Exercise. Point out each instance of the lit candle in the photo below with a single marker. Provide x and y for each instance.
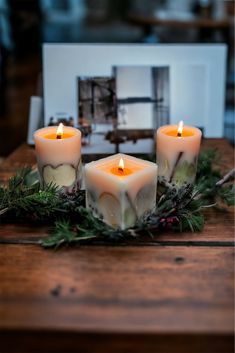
(120, 189)
(177, 153)
(58, 151)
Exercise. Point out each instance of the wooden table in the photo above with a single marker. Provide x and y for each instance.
(171, 294)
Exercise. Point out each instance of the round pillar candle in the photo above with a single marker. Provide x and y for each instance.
(59, 156)
(120, 189)
(178, 148)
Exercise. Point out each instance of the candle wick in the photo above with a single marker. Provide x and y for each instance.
(120, 169)
(179, 134)
(58, 136)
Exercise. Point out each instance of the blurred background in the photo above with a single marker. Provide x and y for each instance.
(26, 24)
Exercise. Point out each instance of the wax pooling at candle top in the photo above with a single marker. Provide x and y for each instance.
(121, 170)
(59, 134)
(123, 167)
(54, 136)
(181, 131)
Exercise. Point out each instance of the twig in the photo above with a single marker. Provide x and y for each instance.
(175, 165)
(4, 210)
(227, 177)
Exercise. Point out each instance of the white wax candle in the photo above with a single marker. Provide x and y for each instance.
(119, 196)
(59, 156)
(177, 154)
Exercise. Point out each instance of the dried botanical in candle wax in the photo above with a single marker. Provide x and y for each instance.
(120, 195)
(59, 156)
(64, 174)
(177, 154)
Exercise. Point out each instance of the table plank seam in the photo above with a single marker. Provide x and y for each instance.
(36, 241)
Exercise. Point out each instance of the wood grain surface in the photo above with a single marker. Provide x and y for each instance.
(171, 294)
(146, 289)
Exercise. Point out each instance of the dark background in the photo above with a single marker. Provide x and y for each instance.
(26, 24)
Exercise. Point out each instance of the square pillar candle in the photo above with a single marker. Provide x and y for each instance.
(178, 147)
(58, 151)
(120, 189)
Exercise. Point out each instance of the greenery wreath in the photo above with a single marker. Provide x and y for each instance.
(70, 223)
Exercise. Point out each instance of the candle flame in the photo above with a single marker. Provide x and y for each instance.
(121, 165)
(180, 128)
(59, 132)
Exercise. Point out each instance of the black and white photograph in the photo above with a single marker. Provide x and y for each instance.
(120, 112)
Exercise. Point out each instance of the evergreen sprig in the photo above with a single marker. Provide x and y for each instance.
(21, 198)
(65, 232)
(208, 182)
(178, 209)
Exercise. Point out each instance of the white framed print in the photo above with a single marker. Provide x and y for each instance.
(142, 86)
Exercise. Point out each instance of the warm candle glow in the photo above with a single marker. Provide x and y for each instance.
(121, 170)
(180, 128)
(121, 165)
(59, 132)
